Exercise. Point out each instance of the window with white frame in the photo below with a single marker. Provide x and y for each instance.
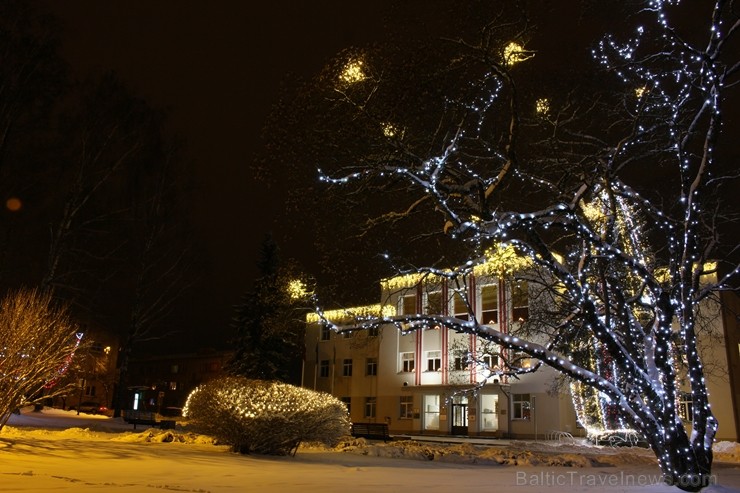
(324, 368)
(686, 406)
(434, 360)
(460, 363)
(325, 333)
(347, 367)
(521, 406)
(434, 303)
(519, 301)
(371, 367)
(348, 402)
(407, 362)
(489, 304)
(521, 360)
(459, 306)
(370, 403)
(490, 360)
(407, 406)
(408, 304)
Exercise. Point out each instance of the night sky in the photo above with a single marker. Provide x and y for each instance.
(217, 68)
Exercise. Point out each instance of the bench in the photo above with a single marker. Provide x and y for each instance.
(140, 418)
(374, 431)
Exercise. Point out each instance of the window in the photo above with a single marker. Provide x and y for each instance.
(489, 304)
(490, 360)
(408, 304)
(370, 407)
(324, 368)
(407, 406)
(434, 360)
(519, 302)
(347, 367)
(521, 360)
(373, 331)
(686, 406)
(347, 335)
(325, 333)
(348, 402)
(521, 406)
(460, 363)
(173, 385)
(431, 412)
(174, 369)
(459, 307)
(371, 367)
(434, 303)
(407, 362)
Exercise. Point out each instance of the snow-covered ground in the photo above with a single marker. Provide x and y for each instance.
(60, 451)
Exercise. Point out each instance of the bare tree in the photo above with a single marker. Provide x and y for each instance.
(38, 340)
(620, 264)
(159, 261)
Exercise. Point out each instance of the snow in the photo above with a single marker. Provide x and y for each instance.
(60, 451)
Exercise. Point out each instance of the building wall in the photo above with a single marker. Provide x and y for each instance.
(421, 384)
(420, 388)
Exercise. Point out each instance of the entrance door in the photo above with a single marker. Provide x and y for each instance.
(459, 419)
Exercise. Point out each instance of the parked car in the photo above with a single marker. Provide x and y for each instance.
(90, 407)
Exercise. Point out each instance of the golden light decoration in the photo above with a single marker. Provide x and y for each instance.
(515, 53)
(502, 261)
(353, 313)
(542, 106)
(390, 130)
(297, 289)
(640, 92)
(353, 72)
(404, 281)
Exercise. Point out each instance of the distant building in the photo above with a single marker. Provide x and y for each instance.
(159, 382)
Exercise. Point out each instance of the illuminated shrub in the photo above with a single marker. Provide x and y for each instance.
(256, 416)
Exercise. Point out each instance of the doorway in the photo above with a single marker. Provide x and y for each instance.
(459, 416)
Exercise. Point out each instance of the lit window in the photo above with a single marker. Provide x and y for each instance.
(407, 362)
(371, 366)
(370, 403)
(434, 360)
(173, 385)
(519, 302)
(407, 406)
(489, 361)
(489, 304)
(459, 306)
(522, 406)
(408, 304)
(521, 360)
(324, 368)
(686, 406)
(434, 303)
(347, 368)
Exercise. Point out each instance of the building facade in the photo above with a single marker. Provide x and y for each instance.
(433, 380)
(429, 381)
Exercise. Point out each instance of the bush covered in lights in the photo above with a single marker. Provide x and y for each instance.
(256, 416)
